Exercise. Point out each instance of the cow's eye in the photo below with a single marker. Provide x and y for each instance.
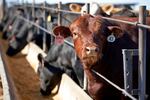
(75, 35)
(46, 81)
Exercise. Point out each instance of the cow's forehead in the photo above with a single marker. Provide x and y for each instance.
(86, 23)
(80, 22)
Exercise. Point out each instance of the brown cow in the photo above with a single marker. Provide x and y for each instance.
(90, 35)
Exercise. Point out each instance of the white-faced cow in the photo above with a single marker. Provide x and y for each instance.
(90, 35)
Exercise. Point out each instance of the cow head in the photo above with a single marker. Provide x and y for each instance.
(44, 75)
(49, 75)
(90, 36)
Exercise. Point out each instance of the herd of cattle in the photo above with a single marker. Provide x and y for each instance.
(92, 49)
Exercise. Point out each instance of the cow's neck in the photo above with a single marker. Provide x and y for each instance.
(95, 85)
(89, 73)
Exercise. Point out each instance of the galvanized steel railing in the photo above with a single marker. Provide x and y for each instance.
(117, 87)
(142, 48)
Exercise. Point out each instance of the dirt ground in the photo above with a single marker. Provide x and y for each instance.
(26, 81)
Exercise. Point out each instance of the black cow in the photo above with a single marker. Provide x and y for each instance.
(9, 12)
(14, 47)
(26, 34)
(17, 42)
(61, 58)
(12, 23)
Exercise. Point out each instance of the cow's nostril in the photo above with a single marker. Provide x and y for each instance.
(87, 48)
(96, 50)
(91, 50)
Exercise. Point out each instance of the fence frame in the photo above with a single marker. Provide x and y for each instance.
(128, 55)
(142, 43)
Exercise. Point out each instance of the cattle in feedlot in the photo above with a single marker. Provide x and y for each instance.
(61, 58)
(96, 52)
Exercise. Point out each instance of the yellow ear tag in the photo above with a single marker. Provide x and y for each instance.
(49, 18)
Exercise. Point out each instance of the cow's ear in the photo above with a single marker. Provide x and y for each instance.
(116, 31)
(40, 57)
(62, 30)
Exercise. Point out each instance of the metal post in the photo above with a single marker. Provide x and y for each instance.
(22, 2)
(2, 9)
(59, 13)
(142, 54)
(128, 70)
(87, 8)
(127, 65)
(85, 80)
(44, 34)
(33, 9)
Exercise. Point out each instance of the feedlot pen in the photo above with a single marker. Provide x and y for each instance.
(21, 69)
(26, 81)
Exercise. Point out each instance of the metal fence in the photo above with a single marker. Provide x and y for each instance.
(141, 51)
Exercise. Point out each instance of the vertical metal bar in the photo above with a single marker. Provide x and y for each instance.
(128, 69)
(59, 13)
(142, 54)
(22, 2)
(44, 33)
(33, 9)
(85, 81)
(1, 10)
(87, 8)
(124, 68)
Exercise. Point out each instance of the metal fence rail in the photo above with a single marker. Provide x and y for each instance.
(6, 79)
(6, 92)
(113, 84)
(138, 24)
(127, 22)
(54, 9)
(45, 30)
(111, 19)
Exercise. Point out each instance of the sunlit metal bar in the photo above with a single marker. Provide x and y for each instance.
(55, 9)
(114, 85)
(33, 8)
(142, 54)
(59, 14)
(4, 79)
(127, 22)
(44, 34)
(112, 19)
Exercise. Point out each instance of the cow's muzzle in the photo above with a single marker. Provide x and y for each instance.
(91, 51)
